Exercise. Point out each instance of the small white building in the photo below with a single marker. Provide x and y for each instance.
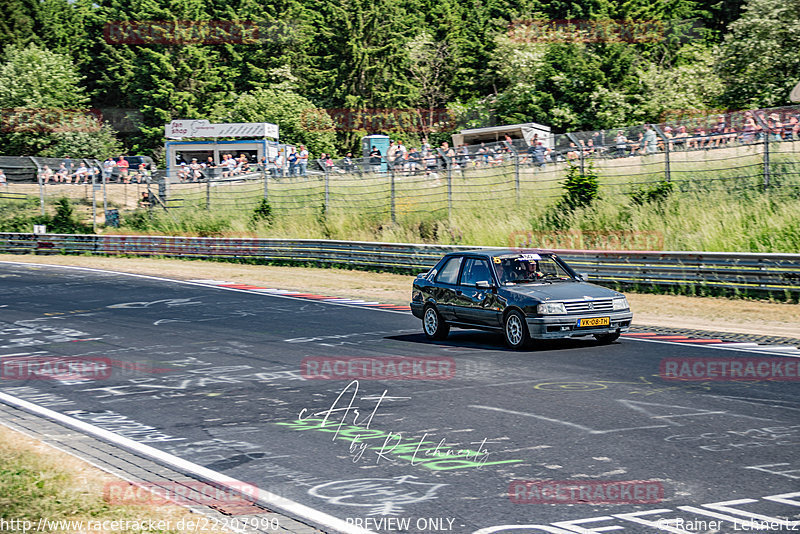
(518, 132)
(263, 142)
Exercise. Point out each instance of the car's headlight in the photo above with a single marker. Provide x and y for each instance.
(551, 308)
(619, 303)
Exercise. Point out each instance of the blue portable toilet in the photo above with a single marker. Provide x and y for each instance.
(381, 142)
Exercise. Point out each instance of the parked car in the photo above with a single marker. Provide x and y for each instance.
(524, 295)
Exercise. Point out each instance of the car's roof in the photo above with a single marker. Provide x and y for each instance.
(501, 252)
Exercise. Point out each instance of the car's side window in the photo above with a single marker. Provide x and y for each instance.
(475, 270)
(449, 273)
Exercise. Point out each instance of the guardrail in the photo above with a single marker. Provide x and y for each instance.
(724, 272)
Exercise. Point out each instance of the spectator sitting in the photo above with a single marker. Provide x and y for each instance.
(791, 128)
(718, 136)
(82, 172)
(680, 137)
(749, 129)
(637, 145)
(775, 127)
(183, 172)
(46, 174)
(414, 160)
(61, 174)
(572, 153)
(147, 200)
(142, 174)
(244, 163)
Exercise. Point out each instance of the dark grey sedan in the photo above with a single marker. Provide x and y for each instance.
(524, 294)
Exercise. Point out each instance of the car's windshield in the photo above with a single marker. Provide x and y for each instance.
(527, 268)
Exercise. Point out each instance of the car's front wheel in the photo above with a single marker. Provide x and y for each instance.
(605, 339)
(433, 324)
(515, 330)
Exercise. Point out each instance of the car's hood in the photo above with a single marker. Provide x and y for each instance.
(562, 291)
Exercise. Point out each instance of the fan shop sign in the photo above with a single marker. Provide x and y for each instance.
(203, 128)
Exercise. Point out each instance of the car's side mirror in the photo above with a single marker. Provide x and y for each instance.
(584, 276)
(483, 284)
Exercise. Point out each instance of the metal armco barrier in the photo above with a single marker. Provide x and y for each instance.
(745, 272)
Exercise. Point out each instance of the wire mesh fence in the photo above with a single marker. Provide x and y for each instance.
(733, 151)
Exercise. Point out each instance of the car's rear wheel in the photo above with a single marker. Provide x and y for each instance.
(605, 339)
(515, 330)
(433, 325)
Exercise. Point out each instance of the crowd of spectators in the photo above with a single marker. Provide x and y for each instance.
(81, 173)
(722, 133)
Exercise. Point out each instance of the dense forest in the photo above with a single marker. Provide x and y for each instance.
(582, 64)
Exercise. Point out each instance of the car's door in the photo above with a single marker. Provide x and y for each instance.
(445, 286)
(473, 304)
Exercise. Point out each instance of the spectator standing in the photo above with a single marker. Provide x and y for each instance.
(279, 164)
(375, 160)
(425, 148)
(649, 139)
(292, 159)
(3, 179)
(540, 153)
(123, 166)
(302, 160)
(68, 164)
(620, 143)
(347, 162)
(108, 168)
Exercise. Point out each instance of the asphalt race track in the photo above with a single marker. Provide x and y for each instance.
(214, 376)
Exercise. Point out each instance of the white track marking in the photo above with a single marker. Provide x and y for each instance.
(277, 294)
(269, 499)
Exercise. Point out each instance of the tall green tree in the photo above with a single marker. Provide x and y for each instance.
(18, 20)
(759, 61)
(299, 120)
(45, 109)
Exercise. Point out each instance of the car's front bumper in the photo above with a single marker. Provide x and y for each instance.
(563, 326)
(416, 308)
